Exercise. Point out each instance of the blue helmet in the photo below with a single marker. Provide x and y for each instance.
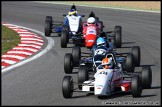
(101, 42)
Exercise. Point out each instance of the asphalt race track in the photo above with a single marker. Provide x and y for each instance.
(40, 82)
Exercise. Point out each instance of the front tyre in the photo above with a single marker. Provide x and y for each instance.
(118, 28)
(67, 87)
(118, 36)
(118, 39)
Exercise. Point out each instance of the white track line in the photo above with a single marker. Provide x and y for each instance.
(32, 42)
(32, 39)
(20, 32)
(2, 67)
(24, 48)
(20, 52)
(24, 35)
(13, 27)
(8, 61)
(35, 46)
(14, 56)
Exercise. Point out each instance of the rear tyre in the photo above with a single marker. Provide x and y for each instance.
(136, 86)
(67, 30)
(136, 55)
(82, 75)
(67, 87)
(129, 66)
(64, 38)
(146, 77)
(68, 63)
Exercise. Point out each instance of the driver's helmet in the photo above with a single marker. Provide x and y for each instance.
(91, 20)
(73, 7)
(101, 42)
(72, 12)
(103, 34)
(107, 63)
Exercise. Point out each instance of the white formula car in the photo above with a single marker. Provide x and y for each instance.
(109, 81)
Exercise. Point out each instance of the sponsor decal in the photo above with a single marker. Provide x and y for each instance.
(90, 40)
(99, 86)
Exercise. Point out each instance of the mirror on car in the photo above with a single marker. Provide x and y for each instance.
(64, 15)
(83, 15)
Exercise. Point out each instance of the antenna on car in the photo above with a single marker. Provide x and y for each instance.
(73, 7)
(92, 14)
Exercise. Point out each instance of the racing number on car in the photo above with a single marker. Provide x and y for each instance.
(103, 72)
(91, 30)
(73, 18)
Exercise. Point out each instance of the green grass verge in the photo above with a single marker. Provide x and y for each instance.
(9, 39)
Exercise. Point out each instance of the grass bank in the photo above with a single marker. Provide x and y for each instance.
(9, 39)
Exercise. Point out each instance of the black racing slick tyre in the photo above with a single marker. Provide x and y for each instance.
(97, 19)
(102, 26)
(146, 76)
(64, 39)
(118, 28)
(68, 63)
(118, 36)
(49, 18)
(76, 52)
(48, 28)
(136, 55)
(82, 75)
(67, 87)
(136, 86)
(118, 39)
(129, 66)
(67, 30)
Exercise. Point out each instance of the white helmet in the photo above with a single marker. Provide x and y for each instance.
(91, 20)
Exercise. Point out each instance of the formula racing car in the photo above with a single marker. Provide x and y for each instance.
(108, 81)
(128, 61)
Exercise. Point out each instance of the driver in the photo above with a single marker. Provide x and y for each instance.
(107, 63)
(101, 42)
(91, 21)
(72, 12)
(102, 45)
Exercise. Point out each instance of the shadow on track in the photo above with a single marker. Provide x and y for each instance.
(146, 65)
(128, 42)
(155, 87)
